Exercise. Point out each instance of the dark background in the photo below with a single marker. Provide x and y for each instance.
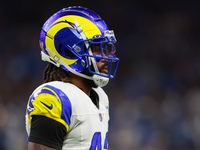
(155, 97)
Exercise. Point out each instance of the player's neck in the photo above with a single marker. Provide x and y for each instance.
(80, 83)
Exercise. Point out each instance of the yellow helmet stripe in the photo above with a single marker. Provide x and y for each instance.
(50, 42)
(89, 28)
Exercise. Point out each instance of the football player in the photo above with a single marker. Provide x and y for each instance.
(70, 111)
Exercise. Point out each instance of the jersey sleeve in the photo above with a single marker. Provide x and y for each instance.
(48, 132)
(50, 102)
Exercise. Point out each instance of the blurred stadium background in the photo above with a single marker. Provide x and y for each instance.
(155, 97)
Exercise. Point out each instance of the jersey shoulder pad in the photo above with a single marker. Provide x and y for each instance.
(51, 102)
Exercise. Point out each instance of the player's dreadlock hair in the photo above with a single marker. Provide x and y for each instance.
(53, 73)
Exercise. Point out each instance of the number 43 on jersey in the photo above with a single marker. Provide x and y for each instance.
(96, 141)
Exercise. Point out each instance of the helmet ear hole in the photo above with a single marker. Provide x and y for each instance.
(59, 48)
(65, 52)
(68, 53)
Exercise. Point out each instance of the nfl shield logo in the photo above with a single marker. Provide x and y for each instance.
(100, 117)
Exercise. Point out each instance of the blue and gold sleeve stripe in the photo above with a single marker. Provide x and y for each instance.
(50, 102)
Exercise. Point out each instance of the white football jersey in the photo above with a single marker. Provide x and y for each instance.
(87, 126)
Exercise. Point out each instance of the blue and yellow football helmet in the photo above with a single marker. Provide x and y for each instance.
(67, 37)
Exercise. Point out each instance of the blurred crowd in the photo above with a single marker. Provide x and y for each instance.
(155, 97)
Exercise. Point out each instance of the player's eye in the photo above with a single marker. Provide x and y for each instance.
(96, 49)
(109, 50)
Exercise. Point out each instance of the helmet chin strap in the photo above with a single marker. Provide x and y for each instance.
(100, 80)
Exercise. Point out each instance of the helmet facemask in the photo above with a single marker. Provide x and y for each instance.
(102, 53)
(101, 49)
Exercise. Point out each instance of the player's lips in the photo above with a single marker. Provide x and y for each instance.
(104, 69)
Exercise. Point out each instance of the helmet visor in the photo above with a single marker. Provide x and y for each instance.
(105, 55)
(104, 50)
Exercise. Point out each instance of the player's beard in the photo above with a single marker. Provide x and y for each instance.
(91, 82)
(104, 66)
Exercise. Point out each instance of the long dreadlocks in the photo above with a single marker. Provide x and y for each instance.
(53, 73)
